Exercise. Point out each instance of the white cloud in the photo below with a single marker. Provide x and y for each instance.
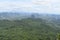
(9, 6)
(43, 6)
(47, 6)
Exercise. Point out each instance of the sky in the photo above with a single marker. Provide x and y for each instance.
(37, 6)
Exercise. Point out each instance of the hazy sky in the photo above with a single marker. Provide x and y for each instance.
(40, 6)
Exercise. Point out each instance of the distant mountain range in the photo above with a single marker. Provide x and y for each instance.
(53, 18)
(17, 15)
(13, 16)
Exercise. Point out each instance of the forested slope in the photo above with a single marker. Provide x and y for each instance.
(27, 29)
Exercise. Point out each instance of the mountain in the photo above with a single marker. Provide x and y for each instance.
(20, 15)
(53, 19)
(13, 15)
(50, 18)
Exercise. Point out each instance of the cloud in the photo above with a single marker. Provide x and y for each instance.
(47, 6)
(11, 6)
(40, 6)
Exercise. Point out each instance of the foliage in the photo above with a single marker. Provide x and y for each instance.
(27, 29)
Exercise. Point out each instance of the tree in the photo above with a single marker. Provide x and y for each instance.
(58, 36)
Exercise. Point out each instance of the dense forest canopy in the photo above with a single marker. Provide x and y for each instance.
(27, 29)
(34, 26)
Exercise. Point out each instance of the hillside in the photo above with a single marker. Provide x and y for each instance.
(27, 29)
